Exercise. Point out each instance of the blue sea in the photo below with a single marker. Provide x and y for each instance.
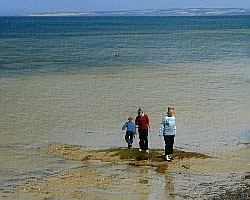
(76, 80)
(58, 44)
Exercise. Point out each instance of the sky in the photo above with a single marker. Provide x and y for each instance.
(22, 7)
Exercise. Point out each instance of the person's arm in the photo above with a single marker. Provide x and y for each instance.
(134, 131)
(162, 127)
(149, 125)
(123, 127)
(136, 126)
(175, 126)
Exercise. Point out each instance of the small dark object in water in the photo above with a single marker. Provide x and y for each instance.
(184, 166)
(117, 55)
(247, 177)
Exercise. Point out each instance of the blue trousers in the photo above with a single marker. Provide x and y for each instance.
(129, 138)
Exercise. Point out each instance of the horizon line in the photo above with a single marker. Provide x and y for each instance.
(144, 12)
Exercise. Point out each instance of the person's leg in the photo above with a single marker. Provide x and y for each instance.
(143, 139)
(141, 142)
(165, 140)
(167, 145)
(146, 139)
(127, 139)
(131, 135)
(130, 139)
(169, 141)
(171, 147)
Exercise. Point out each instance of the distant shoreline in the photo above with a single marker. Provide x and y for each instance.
(151, 12)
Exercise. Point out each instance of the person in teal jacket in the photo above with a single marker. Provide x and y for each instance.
(168, 130)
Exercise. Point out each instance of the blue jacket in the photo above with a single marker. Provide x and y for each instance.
(168, 126)
(130, 126)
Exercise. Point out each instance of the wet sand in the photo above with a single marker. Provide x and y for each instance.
(109, 174)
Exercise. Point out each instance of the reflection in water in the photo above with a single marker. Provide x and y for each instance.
(162, 186)
(173, 186)
(170, 187)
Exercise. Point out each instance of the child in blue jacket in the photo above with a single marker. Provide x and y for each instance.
(130, 133)
(168, 130)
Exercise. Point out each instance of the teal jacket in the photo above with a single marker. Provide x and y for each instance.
(168, 126)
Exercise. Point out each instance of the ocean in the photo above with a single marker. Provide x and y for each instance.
(76, 80)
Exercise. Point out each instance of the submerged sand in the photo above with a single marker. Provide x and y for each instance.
(222, 162)
(122, 173)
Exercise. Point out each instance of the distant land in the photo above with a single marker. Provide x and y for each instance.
(157, 12)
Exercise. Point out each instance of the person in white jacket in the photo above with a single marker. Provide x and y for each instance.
(168, 130)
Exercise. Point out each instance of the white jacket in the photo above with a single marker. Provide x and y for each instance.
(168, 126)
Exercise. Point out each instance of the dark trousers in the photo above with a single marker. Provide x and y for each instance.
(143, 136)
(169, 144)
(129, 138)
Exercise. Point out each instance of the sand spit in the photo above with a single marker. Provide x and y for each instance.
(122, 173)
(155, 159)
(221, 162)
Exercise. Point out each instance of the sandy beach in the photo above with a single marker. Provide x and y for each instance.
(107, 174)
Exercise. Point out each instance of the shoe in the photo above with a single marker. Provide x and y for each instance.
(129, 146)
(140, 150)
(168, 159)
(147, 151)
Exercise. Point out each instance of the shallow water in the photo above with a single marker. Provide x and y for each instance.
(89, 108)
(194, 186)
(61, 83)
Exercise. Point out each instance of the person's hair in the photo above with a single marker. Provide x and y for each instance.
(130, 119)
(170, 108)
(139, 110)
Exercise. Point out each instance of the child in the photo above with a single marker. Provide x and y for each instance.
(130, 133)
(168, 129)
(142, 125)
